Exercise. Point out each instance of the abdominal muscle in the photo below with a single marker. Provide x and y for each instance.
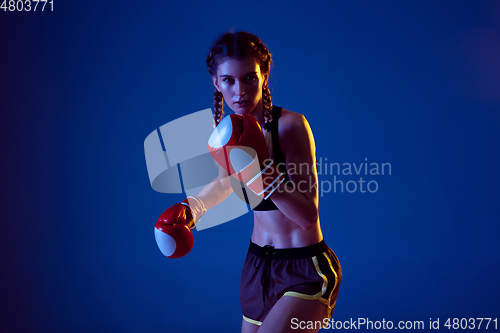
(275, 229)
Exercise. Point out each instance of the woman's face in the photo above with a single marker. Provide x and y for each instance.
(240, 82)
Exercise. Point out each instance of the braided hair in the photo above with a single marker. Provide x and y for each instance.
(240, 45)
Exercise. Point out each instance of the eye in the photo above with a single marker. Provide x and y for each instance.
(251, 77)
(228, 80)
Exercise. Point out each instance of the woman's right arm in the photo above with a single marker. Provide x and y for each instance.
(218, 189)
(172, 222)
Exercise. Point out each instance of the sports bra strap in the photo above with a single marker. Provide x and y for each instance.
(278, 155)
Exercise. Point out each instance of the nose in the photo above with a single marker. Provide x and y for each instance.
(239, 89)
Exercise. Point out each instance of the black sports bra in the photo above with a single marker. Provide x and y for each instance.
(241, 189)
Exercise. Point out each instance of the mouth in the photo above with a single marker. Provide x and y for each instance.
(241, 103)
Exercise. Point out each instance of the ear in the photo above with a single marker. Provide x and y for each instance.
(216, 83)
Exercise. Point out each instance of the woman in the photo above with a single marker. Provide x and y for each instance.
(275, 288)
(290, 276)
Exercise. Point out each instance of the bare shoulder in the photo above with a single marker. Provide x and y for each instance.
(292, 123)
(296, 138)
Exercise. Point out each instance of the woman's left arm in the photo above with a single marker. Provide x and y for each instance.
(297, 144)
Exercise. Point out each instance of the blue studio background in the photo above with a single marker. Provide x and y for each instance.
(413, 84)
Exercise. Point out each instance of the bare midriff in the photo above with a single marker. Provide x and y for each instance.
(275, 229)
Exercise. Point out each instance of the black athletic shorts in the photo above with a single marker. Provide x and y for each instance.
(311, 273)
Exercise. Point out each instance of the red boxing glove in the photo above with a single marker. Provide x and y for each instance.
(173, 230)
(238, 145)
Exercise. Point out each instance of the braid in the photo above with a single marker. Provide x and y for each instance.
(268, 116)
(267, 104)
(218, 105)
(265, 65)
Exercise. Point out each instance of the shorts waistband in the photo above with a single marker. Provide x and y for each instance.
(288, 254)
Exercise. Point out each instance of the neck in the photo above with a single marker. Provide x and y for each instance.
(258, 114)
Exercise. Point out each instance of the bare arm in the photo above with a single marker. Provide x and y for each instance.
(217, 191)
(297, 143)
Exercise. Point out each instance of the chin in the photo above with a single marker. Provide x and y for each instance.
(243, 110)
